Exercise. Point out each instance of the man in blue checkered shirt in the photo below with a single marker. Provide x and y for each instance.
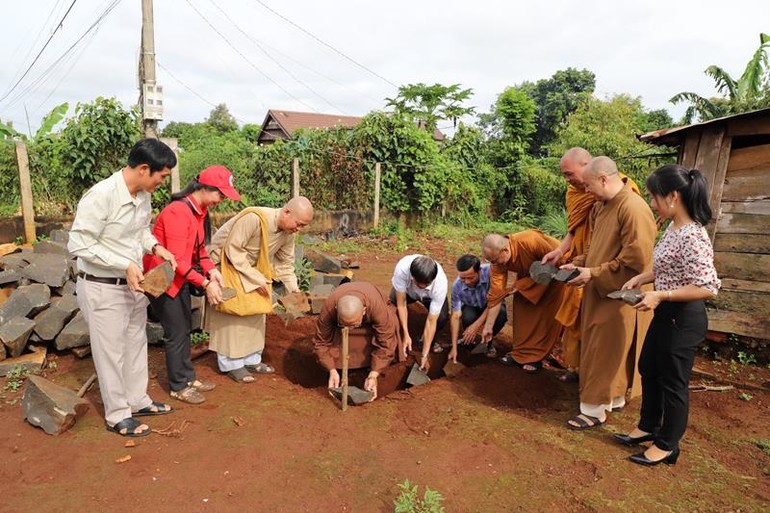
(469, 305)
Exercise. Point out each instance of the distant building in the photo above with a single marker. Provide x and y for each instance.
(281, 124)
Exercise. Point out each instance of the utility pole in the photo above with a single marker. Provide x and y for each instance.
(150, 94)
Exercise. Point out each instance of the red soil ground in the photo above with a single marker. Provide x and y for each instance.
(490, 439)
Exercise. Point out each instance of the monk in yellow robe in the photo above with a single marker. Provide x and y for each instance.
(612, 332)
(579, 203)
(535, 330)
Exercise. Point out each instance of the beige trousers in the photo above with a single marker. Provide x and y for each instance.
(117, 325)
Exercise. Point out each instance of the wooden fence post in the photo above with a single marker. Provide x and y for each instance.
(25, 186)
(295, 178)
(345, 357)
(172, 143)
(377, 175)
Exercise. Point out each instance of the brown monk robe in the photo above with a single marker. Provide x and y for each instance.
(535, 330)
(579, 203)
(612, 332)
(373, 338)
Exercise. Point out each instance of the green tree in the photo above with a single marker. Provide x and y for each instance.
(221, 119)
(556, 98)
(429, 104)
(509, 126)
(749, 92)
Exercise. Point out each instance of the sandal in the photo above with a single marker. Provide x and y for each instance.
(241, 375)
(154, 408)
(529, 368)
(128, 427)
(438, 348)
(584, 421)
(491, 352)
(261, 368)
(202, 386)
(188, 395)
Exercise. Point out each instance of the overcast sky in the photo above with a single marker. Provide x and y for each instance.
(346, 56)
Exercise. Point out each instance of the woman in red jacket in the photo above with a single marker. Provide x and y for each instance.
(182, 228)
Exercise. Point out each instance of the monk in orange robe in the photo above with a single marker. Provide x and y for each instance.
(535, 330)
(579, 204)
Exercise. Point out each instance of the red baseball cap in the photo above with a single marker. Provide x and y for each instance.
(221, 178)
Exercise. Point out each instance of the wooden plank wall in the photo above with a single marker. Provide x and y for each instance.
(740, 191)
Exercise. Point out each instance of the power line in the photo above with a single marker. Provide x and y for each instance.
(41, 78)
(58, 26)
(268, 77)
(287, 20)
(276, 61)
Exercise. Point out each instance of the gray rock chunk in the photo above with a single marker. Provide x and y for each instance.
(417, 376)
(32, 362)
(74, 334)
(15, 333)
(49, 246)
(155, 333)
(356, 396)
(39, 296)
(59, 236)
(335, 279)
(323, 262)
(18, 305)
(50, 406)
(49, 323)
(9, 276)
(49, 268)
(13, 261)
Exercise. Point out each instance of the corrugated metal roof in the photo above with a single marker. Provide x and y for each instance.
(673, 136)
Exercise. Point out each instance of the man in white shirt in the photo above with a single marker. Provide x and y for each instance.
(109, 236)
(420, 278)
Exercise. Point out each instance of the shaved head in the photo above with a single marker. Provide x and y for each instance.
(295, 214)
(495, 247)
(602, 166)
(349, 309)
(573, 164)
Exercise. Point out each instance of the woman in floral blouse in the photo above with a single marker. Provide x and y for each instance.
(684, 276)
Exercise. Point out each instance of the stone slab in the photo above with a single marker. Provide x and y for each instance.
(39, 295)
(295, 302)
(32, 361)
(74, 334)
(49, 268)
(59, 236)
(631, 296)
(50, 322)
(155, 333)
(67, 290)
(15, 333)
(322, 290)
(18, 305)
(317, 304)
(50, 246)
(50, 406)
(228, 293)
(158, 279)
(479, 349)
(356, 396)
(10, 275)
(452, 369)
(81, 352)
(335, 279)
(542, 273)
(416, 376)
(566, 274)
(323, 262)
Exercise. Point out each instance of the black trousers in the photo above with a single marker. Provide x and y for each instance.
(471, 313)
(667, 358)
(443, 316)
(175, 315)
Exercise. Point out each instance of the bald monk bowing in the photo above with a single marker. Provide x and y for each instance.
(579, 203)
(612, 332)
(535, 331)
(373, 332)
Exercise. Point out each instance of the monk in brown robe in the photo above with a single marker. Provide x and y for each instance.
(374, 332)
(535, 331)
(579, 203)
(612, 332)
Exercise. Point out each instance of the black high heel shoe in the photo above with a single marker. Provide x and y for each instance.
(631, 441)
(641, 459)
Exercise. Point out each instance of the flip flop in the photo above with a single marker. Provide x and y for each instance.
(130, 424)
(510, 362)
(260, 368)
(584, 421)
(241, 375)
(155, 408)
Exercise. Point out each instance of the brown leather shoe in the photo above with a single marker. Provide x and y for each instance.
(188, 395)
(202, 386)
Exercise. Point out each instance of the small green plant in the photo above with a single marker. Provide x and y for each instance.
(18, 240)
(52, 365)
(762, 443)
(15, 377)
(198, 337)
(408, 501)
(303, 268)
(746, 358)
(745, 397)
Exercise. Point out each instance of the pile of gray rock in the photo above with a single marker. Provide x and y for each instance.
(328, 273)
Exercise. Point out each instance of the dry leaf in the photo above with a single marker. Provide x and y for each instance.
(130, 443)
(239, 421)
(123, 459)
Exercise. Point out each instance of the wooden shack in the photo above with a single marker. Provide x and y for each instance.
(734, 154)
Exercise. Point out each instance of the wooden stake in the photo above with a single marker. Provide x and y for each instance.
(377, 175)
(25, 184)
(295, 178)
(87, 385)
(345, 355)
